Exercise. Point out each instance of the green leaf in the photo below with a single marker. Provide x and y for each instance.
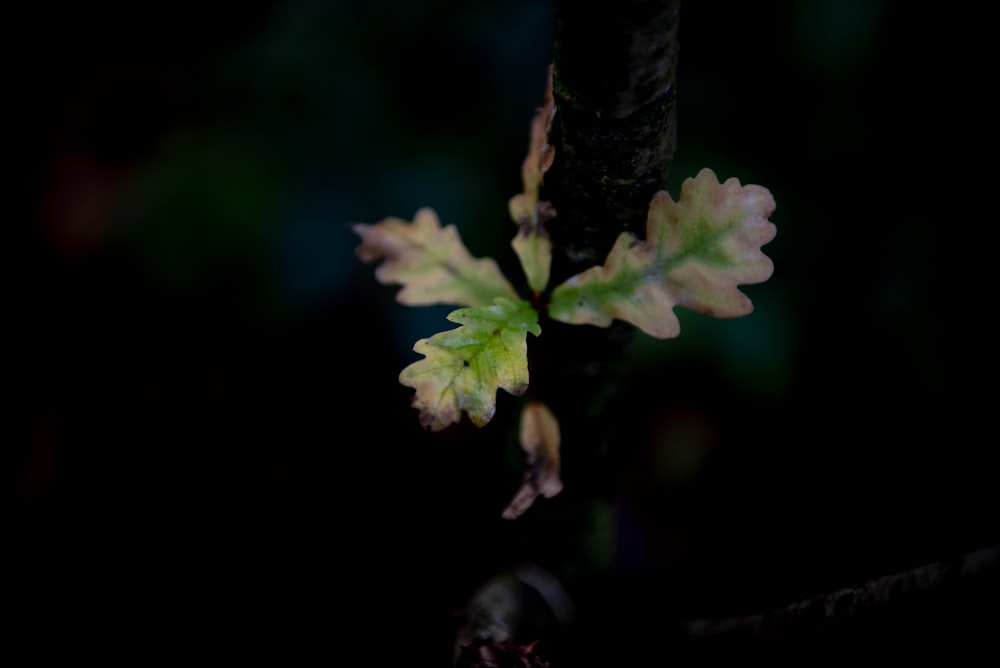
(463, 368)
(696, 252)
(430, 262)
(534, 251)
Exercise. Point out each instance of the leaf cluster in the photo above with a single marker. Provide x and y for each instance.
(697, 251)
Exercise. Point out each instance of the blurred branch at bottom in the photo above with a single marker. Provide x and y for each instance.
(945, 598)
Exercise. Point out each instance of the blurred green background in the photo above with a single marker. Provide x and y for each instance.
(208, 419)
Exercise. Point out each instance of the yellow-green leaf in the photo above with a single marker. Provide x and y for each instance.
(463, 368)
(430, 262)
(696, 252)
(534, 251)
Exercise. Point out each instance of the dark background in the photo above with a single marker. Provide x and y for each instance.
(209, 442)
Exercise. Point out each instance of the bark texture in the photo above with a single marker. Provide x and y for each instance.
(614, 75)
(614, 71)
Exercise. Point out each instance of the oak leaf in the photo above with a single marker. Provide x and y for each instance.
(538, 434)
(430, 262)
(523, 207)
(532, 244)
(696, 252)
(463, 368)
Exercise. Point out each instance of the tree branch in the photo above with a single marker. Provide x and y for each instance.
(936, 598)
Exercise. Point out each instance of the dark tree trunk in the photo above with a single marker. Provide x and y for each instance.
(614, 87)
(613, 133)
